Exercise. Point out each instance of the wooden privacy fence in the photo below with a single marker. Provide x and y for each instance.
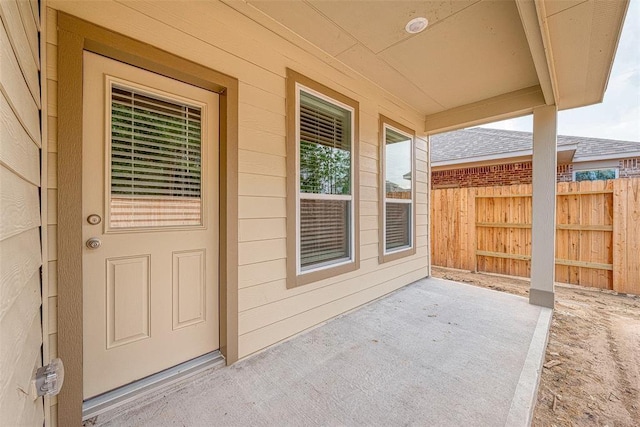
(489, 229)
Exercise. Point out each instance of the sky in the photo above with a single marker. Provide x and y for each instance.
(618, 116)
(398, 163)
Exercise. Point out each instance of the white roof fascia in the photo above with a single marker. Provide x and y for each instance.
(499, 161)
(497, 156)
(533, 29)
(596, 164)
(548, 52)
(607, 157)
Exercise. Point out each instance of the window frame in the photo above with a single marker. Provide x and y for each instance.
(394, 254)
(614, 168)
(296, 275)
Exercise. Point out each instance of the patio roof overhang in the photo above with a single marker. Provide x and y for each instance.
(477, 61)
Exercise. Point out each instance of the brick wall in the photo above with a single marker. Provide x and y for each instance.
(565, 173)
(513, 173)
(630, 168)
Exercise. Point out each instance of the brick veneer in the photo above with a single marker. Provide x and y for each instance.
(630, 168)
(513, 173)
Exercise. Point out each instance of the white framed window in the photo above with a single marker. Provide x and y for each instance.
(322, 153)
(596, 174)
(397, 190)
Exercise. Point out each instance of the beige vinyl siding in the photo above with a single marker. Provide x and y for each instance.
(20, 250)
(51, 76)
(218, 37)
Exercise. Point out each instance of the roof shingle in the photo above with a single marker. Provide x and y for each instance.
(480, 142)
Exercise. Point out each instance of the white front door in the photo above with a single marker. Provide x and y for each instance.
(150, 223)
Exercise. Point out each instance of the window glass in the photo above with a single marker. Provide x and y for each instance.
(155, 161)
(595, 175)
(325, 147)
(324, 182)
(397, 165)
(398, 225)
(398, 204)
(324, 231)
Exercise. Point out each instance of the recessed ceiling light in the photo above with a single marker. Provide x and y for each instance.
(416, 25)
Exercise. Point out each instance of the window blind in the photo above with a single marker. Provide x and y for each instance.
(155, 146)
(155, 161)
(324, 231)
(325, 182)
(324, 126)
(398, 225)
(325, 147)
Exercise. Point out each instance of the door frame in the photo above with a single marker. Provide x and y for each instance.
(75, 36)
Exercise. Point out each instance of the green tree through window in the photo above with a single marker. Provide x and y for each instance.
(595, 175)
(324, 170)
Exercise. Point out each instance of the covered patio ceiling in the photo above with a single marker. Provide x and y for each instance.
(477, 61)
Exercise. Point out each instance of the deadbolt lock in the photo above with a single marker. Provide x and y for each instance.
(94, 219)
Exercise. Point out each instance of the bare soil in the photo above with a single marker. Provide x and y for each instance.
(592, 364)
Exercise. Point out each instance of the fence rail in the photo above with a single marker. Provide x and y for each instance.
(489, 229)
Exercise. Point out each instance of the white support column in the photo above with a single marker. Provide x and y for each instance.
(543, 230)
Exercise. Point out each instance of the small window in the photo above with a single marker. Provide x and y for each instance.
(323, 154)
(595, 174)
(155, 156)
(397, 210)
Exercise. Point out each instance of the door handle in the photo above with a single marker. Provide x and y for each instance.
(94, 243)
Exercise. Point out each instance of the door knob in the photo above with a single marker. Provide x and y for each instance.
(94, 243)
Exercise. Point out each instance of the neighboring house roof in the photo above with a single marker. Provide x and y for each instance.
(481, 145)
(598, 148)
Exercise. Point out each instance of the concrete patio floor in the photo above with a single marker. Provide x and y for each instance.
(435, 353)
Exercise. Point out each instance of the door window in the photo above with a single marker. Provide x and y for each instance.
(155, 160)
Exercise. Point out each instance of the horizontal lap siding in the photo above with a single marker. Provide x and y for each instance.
(20, 250)
(216, 36)
(52, 193)
(257, 340)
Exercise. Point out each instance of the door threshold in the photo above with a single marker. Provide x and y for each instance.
(137, 389)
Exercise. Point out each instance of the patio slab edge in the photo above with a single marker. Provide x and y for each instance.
(524, 398)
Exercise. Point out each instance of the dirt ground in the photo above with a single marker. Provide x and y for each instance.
(592, 366)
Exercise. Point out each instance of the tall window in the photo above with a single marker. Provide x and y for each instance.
(325, 184)
(397, 190)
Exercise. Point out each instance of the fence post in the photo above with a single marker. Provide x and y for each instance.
(619, 225)
(471, 226)
(626, 235)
